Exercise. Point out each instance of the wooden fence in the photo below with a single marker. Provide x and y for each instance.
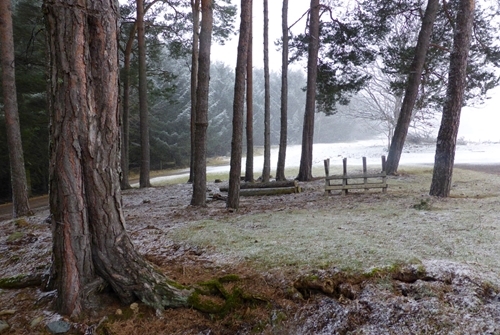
(346, 182)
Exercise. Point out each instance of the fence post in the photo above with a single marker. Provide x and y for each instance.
(365, 180)
(344, 179)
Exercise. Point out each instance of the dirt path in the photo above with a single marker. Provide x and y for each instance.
(36, 203)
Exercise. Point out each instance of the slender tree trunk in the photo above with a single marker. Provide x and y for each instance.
(143, 98)
(90, 244)
(125, 183)
(267, 99)
(305, 169)
(18, 179)
(201, 118)
(195, 8)
(233, 198)
(414, 78)
(457, 76)
(249, 128)
(280, 170)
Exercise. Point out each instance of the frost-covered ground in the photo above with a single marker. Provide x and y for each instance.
(298, 251)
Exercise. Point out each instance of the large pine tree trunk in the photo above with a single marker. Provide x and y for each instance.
(201, 119)
(195, 9)
(18, 179)
(414, 78)
(249, 121)
(233, 197)
(447, 136)
(280, 170)
(90, 244)
(267, 100)
(305, 169)
(143, 99)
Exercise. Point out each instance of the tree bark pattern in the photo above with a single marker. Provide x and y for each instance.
(201, 119)
(280, 170)
(249, 122)
(195, 9)
(412, 86)
(448, 131)
(88, 227)
(144, 180)
(20, 201)
(267, 99)
(305, 168)
(233, 198)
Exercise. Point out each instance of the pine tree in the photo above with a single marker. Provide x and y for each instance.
(447, 136)
(201, 118)
(233, 198)
(19, 181)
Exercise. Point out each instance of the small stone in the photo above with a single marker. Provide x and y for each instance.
(118, 312)
(36, 321)
(4, 326)
(58, 327)
(134, 307)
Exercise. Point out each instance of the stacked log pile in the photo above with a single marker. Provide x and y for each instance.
(267, 188)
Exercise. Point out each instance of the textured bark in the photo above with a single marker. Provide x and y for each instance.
(280, 170)
(414, 79)
(201, 118)
(447, 136)
(90, 244)
(20, 202)
(143, 99)
(305, 169)
(125, 184)
(249, 123)
(195, 51)
(267, 100)
(233, 198)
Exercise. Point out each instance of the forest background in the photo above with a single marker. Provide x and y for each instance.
(169, 97)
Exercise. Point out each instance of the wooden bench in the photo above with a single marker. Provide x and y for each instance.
(346, 182)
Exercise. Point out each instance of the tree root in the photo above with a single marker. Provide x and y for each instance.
(212, 297)
(348, 285)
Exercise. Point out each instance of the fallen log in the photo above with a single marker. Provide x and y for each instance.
(269, 191)
(22, 281)
(270, 184)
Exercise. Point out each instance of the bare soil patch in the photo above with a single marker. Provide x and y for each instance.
(367, 263)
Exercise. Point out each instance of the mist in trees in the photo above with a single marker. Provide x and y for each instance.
(412, 86)
(169, 40)
(396, 25)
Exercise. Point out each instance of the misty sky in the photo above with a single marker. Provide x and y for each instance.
(477, 124)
